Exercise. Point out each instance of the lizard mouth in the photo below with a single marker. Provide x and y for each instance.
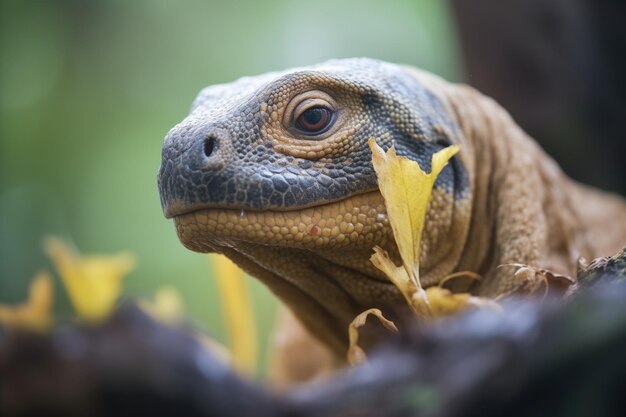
(358, 220)
(175, 208)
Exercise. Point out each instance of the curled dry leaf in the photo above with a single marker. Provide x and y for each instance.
(532, 279)
(356, 354)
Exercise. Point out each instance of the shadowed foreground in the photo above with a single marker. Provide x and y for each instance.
(537, 358)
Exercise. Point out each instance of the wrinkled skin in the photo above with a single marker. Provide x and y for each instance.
(302, 212)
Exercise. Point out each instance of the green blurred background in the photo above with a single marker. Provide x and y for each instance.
(88, 90)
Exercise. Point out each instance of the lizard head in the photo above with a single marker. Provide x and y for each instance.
(275, 172)
(283, 159)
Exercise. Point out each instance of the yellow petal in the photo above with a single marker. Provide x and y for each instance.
(36, 313)
(396, 274)
(237, 310)
(356, 354)
(406, 190)
(414, 295)
(93, 283)
(445, 303)
(167, 306)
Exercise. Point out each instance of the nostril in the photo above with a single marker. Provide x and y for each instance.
(209, 145)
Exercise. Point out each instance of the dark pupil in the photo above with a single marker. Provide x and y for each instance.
(313, 116)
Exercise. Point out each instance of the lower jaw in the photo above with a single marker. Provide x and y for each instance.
(359, 221)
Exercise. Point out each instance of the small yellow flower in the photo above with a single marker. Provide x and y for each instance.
(167, 306)
(237, 310)
(406, 190)
(36, 313)
(93, 283)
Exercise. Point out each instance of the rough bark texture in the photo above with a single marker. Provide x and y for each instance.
(539, 357)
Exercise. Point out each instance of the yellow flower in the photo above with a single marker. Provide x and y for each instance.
(36, 313)
(167, 306)
(237, 310)
(93, 283)
(406, 190)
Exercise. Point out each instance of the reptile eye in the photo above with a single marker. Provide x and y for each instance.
(314, 120)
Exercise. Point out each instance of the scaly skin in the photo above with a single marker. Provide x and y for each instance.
(303, 212)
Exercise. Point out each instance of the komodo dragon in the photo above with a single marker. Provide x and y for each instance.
(275, 172)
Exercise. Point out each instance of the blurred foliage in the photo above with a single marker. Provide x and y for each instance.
(88, 89)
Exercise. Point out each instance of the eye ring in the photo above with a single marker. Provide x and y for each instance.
(314, 120)
(295, 123)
